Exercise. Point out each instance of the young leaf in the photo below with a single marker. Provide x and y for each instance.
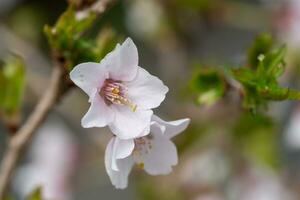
(208, 85)
(245, 76)
(276, 65)
(262, 44)
(67, 41)
(12, 81)
(260, 85)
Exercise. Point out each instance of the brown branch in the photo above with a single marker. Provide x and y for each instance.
(18, 142)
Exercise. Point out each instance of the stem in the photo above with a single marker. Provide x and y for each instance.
(293, 94)
(18, 142)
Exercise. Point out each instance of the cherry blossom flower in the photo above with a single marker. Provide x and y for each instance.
(153, 152)
(121, 93)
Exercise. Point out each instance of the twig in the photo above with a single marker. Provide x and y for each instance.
(18, 142)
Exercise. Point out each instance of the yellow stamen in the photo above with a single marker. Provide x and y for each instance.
(141, 165)
(116, 91)
(134, 108)
(126, 102)
(113, 92)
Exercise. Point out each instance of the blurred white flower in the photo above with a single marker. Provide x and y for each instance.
(52, 159)
(155, 152)
(213, 162)
(258, 184)
(121, 93)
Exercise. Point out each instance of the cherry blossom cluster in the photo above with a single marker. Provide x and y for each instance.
(122, 96)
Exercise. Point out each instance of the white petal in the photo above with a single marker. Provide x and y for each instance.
(145, 132)
(129, 124)
(169, 129)
(89, 76)
(124, 148)
(121, 149)
(122, 62)
(161, 157)
(146, 91)
(118, 178)
(98, 115)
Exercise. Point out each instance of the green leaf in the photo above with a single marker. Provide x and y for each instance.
(72, 24)
(271, 65)
(260, 82)
(65, 35)
(12, 84)
(276, 62)
(261, 45)
(244, 75)
(67, 40)
(258, 78)
(36, 194)
(208, 85)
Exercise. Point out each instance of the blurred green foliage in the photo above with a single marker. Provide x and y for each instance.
(12, 84)
(199, 5)
(8, 197)
(254, 136)
(260, 83)
(192, 135)
(208, 85)
(36, 194)
(67, 40)
(148, 190)
(259, 78)
(28, 21)
(262, 45)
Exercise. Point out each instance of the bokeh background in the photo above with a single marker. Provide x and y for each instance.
(226, 152)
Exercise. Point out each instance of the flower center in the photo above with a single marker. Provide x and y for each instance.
(114, 92)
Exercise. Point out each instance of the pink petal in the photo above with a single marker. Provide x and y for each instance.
(88, 76)
(161, 157)
(146, 91)
(169, 129)
(122, 62)
(129, 124)
(98, 115)
(118, 178)
(121, 149)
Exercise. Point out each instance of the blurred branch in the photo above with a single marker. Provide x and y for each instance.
(57, 87)
(19, 141)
